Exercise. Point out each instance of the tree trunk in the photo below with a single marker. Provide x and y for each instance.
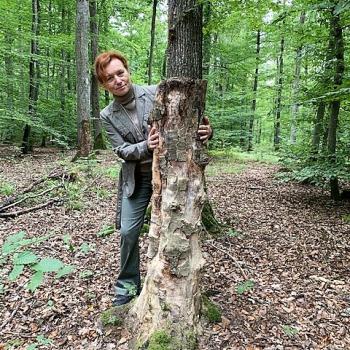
(296, 88)
(170, 300)
(83, 85)
(206, 39)
(336, 34)
(95, 104)
(277, 132)
(255, 89)
(151, 47)
(33, 77)
(316, 137)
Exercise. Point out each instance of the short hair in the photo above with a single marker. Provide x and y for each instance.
(103, 60)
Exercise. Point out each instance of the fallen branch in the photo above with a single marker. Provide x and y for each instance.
(10, 318)
(29, 197)
(27, 210)
(233, 258)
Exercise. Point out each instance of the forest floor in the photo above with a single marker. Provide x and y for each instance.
(280, 274)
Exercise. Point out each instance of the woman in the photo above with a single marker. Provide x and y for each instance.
(126, 122)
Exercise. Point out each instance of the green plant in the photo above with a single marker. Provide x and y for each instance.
(67, 242)
(13, 249)
(346, 218)
(86, 274)
(105, 231)
(86, 248)
(233, 233)
(112, 172)
(6, 188)
(109, 318)
(160, 340)
(210, 311)
(290, 331)
(245, 286)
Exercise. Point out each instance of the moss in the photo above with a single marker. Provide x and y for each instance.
(109, 318)
(210, 311)
(160, 340)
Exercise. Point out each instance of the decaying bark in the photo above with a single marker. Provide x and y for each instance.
(170, 299)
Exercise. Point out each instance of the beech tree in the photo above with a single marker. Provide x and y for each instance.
(83, 85)
(170, 300)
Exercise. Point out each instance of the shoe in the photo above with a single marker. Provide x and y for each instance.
(122, 299)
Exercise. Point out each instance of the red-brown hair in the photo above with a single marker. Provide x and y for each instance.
(103, 60)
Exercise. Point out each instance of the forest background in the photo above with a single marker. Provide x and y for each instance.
(277, 71)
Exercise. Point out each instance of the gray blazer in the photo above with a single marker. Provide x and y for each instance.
(126, 142)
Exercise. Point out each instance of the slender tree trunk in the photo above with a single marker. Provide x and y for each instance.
(296, 88)
(277, 133)
(336, 34)
(83, 84)
(33, 77)
(318, 127)
(255, 89)
(170, 301)
(95, 104)
(151, 47)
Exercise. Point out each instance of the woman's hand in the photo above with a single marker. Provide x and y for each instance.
(153, 139)
(204, 130)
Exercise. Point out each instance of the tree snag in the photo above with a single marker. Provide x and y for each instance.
(170, 300)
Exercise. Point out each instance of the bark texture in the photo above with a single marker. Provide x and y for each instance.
(34, 75)
(83, 84)
(185, 39)
(170, 300)
(336, 35)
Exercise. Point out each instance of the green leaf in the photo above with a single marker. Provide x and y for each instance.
(15, 273)
(48, 265)
(2, 288)
(35, 281)
(244, 287)
(105, 231)
(290, 331)
(43, 341)
(67, 269)
(86, 274)
(25, 258)
(85, 248)
(13, 242)
(32, 347)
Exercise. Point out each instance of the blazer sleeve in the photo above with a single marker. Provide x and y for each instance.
(124, 149)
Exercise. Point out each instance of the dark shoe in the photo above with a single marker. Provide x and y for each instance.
(122, 299)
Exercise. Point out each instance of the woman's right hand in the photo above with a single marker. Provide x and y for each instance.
(153, 139)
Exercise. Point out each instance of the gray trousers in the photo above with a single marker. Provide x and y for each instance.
(132, 218)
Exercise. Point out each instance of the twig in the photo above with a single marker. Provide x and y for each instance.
(27, 210)
(233, 258)
(10, 318)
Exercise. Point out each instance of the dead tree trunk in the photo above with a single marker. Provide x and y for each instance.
(170, 301)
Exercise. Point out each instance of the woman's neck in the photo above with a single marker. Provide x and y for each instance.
(127, 98)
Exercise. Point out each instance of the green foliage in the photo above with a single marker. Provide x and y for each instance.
(106, 231)
(160, 340)
(40, 340)
(112, 172)
(245, 286)
(346, 218)
(233, 233)
(109, 318)
(87, 274)
(85, 248)
(6, 188)
(210, 311)
(21, 259)
(290, 331)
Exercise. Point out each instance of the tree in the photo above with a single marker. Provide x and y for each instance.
(170, 301)
(83, 85)
(34, 75)
(151, 47)
(336, 35)
(95, 106)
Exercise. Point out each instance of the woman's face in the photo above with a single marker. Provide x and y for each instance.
(117, 78)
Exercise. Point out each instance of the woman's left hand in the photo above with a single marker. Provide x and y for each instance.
(204, 130)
